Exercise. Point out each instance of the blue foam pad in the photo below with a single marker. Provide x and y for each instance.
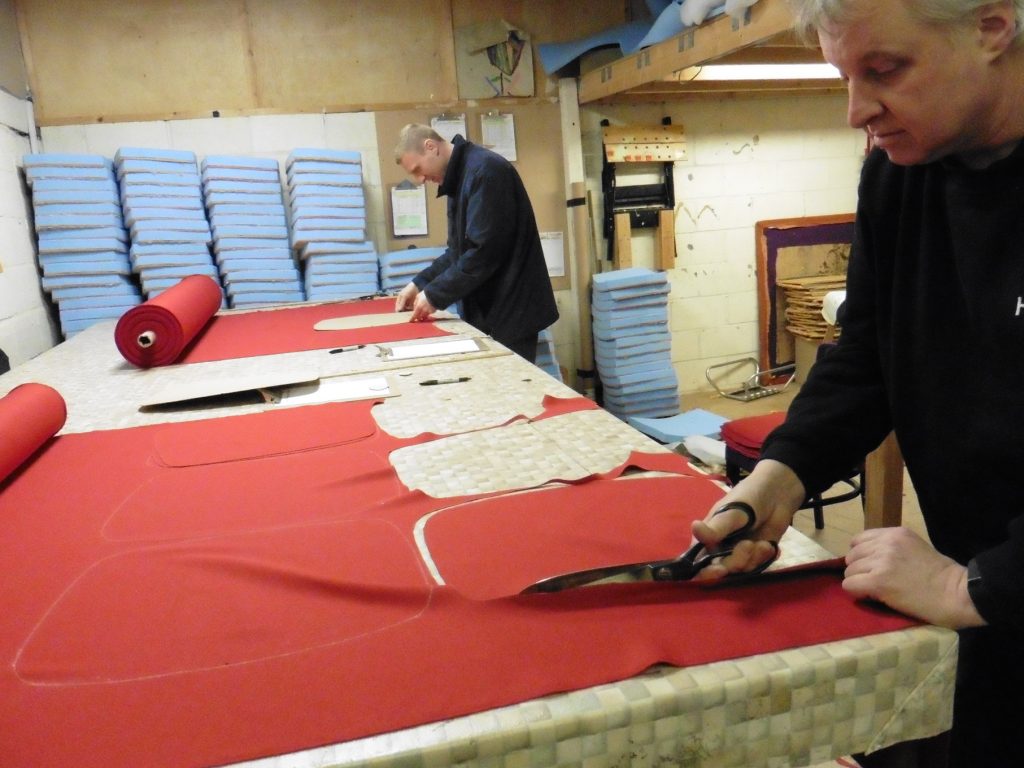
(148, 153)
(137, 166)
(271, 219)
(35, 174)
(628, 278)
(72, 222)
(82, 245)
(44, 197)
(64, 159)
(82, 281)
(255, 254)
(325, 179)
(235, 161)
(86, 302)
(77, 209)
(232, 186)
(245, 243)
(306, 237)
(133, 180)
(327, 225)
(322, 155)
(267, 177)
(675, 428)
(303, 198)
(214, 199)
(137, 202)
(221, 231)
(97, 267)
(131, 193)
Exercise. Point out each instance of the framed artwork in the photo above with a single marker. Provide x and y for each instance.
(785, 248)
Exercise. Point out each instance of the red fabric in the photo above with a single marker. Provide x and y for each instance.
(746, 435)
(204, 614)
(170, 321)
(30, 415)
(290, 329)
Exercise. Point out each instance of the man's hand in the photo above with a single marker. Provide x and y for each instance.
(406, 297)
(897, 567)
(774, 492)
(422, 309)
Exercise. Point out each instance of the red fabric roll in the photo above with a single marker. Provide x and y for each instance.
(157, 332)
(29, 416)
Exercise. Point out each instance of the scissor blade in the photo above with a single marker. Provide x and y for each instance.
(614, 574)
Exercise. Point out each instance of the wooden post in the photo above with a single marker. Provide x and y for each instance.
(883, 479)
(623, 242)
(584, 273)
(666, 239)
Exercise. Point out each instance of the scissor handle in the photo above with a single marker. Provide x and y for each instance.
(697, 557)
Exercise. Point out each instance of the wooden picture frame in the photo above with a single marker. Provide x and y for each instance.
(812, 239)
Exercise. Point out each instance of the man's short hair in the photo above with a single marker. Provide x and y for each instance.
(812, 14)
(412, 137)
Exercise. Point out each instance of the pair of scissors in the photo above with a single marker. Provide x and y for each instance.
(681, 568)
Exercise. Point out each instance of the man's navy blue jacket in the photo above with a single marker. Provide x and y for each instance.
(494, 263)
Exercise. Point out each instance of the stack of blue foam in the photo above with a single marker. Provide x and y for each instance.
(397, 268)
(83, 245)
(250, 230)
(163, 207)
(546, 359)
(632, 344)
(328, 224)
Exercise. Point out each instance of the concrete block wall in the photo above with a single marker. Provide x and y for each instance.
(26, 327)
(748, 159)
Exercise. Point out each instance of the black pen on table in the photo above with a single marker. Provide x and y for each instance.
(347, 349)
(432, 382)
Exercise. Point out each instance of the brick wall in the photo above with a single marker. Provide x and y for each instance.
(749, 159)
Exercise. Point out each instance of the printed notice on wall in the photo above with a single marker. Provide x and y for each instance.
(448, 126)
(409, 209)
(554, 255)
(499, 134)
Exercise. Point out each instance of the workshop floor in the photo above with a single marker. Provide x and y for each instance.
(842, 520)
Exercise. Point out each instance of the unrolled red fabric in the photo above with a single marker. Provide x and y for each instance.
(199, 608)
(157, 331)
(30, 415)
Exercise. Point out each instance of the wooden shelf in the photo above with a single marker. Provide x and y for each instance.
(763, 36)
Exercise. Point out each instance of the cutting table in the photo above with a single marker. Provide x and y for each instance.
(485, 435)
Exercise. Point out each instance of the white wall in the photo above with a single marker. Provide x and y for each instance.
(26, 328)
(748, 159)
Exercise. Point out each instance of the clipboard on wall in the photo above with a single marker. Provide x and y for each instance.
(408, 209)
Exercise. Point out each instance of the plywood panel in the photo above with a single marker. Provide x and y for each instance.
(96, 59)
(13, 76)
(539, 152)
(312, 53)
(106, 60)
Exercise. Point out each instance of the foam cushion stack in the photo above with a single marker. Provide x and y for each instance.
(250, 230)
(328, 224)
(397, 268)
(83, 244)
(632, 344)
(546, 359)
(163, 208)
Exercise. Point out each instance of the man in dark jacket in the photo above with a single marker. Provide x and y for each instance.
(494, 264)
(932, 343)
